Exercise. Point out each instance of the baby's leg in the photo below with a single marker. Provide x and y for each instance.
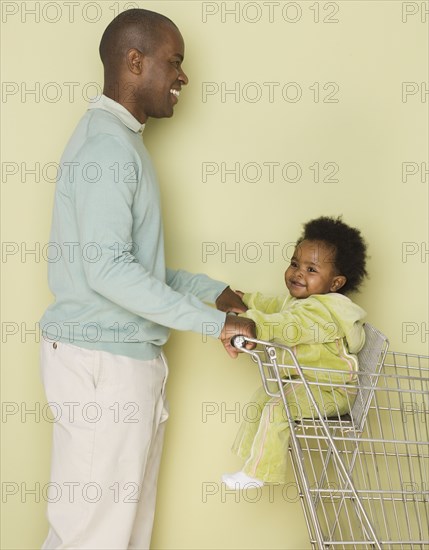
(267, 460)
(331, 401)
(268, 451)
(243, 442)
(247, 432)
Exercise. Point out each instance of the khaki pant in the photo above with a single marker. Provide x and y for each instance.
(108, 415)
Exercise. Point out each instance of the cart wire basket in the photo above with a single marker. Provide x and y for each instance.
(363, 477)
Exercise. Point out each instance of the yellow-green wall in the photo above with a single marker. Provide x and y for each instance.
(360, 67)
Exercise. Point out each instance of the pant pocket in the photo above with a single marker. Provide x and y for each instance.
(97, 370)
(165, 407)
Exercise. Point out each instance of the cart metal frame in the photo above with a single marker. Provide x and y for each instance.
(363, 477)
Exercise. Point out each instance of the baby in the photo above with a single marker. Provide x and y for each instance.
(322, 326)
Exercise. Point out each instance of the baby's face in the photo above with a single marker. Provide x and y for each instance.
(312, 270)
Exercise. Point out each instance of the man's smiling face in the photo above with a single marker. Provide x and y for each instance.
(162, 77)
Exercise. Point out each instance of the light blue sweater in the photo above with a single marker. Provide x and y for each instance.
(107, 267)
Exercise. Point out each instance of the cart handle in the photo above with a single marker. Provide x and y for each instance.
(239, 341)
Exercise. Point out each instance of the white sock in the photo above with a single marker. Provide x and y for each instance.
(240, 480)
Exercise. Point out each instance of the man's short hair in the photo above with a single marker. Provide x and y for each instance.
(135, 28)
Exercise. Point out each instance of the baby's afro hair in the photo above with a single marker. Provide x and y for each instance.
(350, 248)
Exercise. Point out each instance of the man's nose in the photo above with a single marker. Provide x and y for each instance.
(183, 77)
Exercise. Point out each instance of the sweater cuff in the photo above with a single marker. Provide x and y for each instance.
(214, 327)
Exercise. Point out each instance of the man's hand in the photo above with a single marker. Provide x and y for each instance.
(231, 301)
(236, 325)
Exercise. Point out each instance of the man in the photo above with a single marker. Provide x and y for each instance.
(115, 301)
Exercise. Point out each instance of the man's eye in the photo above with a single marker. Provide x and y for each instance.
(177, 64)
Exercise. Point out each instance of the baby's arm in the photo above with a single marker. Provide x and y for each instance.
(310, 323)
(263, 303)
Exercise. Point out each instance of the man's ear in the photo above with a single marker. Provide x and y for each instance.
(135, 61)
(338, 282)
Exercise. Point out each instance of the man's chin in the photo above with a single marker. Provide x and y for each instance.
(163, 115)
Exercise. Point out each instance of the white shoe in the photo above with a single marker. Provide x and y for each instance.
(240, 480)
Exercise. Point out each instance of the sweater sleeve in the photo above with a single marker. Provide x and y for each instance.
(197, 284)
(104, 215)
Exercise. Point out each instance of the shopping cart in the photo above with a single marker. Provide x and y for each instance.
(363, 477)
